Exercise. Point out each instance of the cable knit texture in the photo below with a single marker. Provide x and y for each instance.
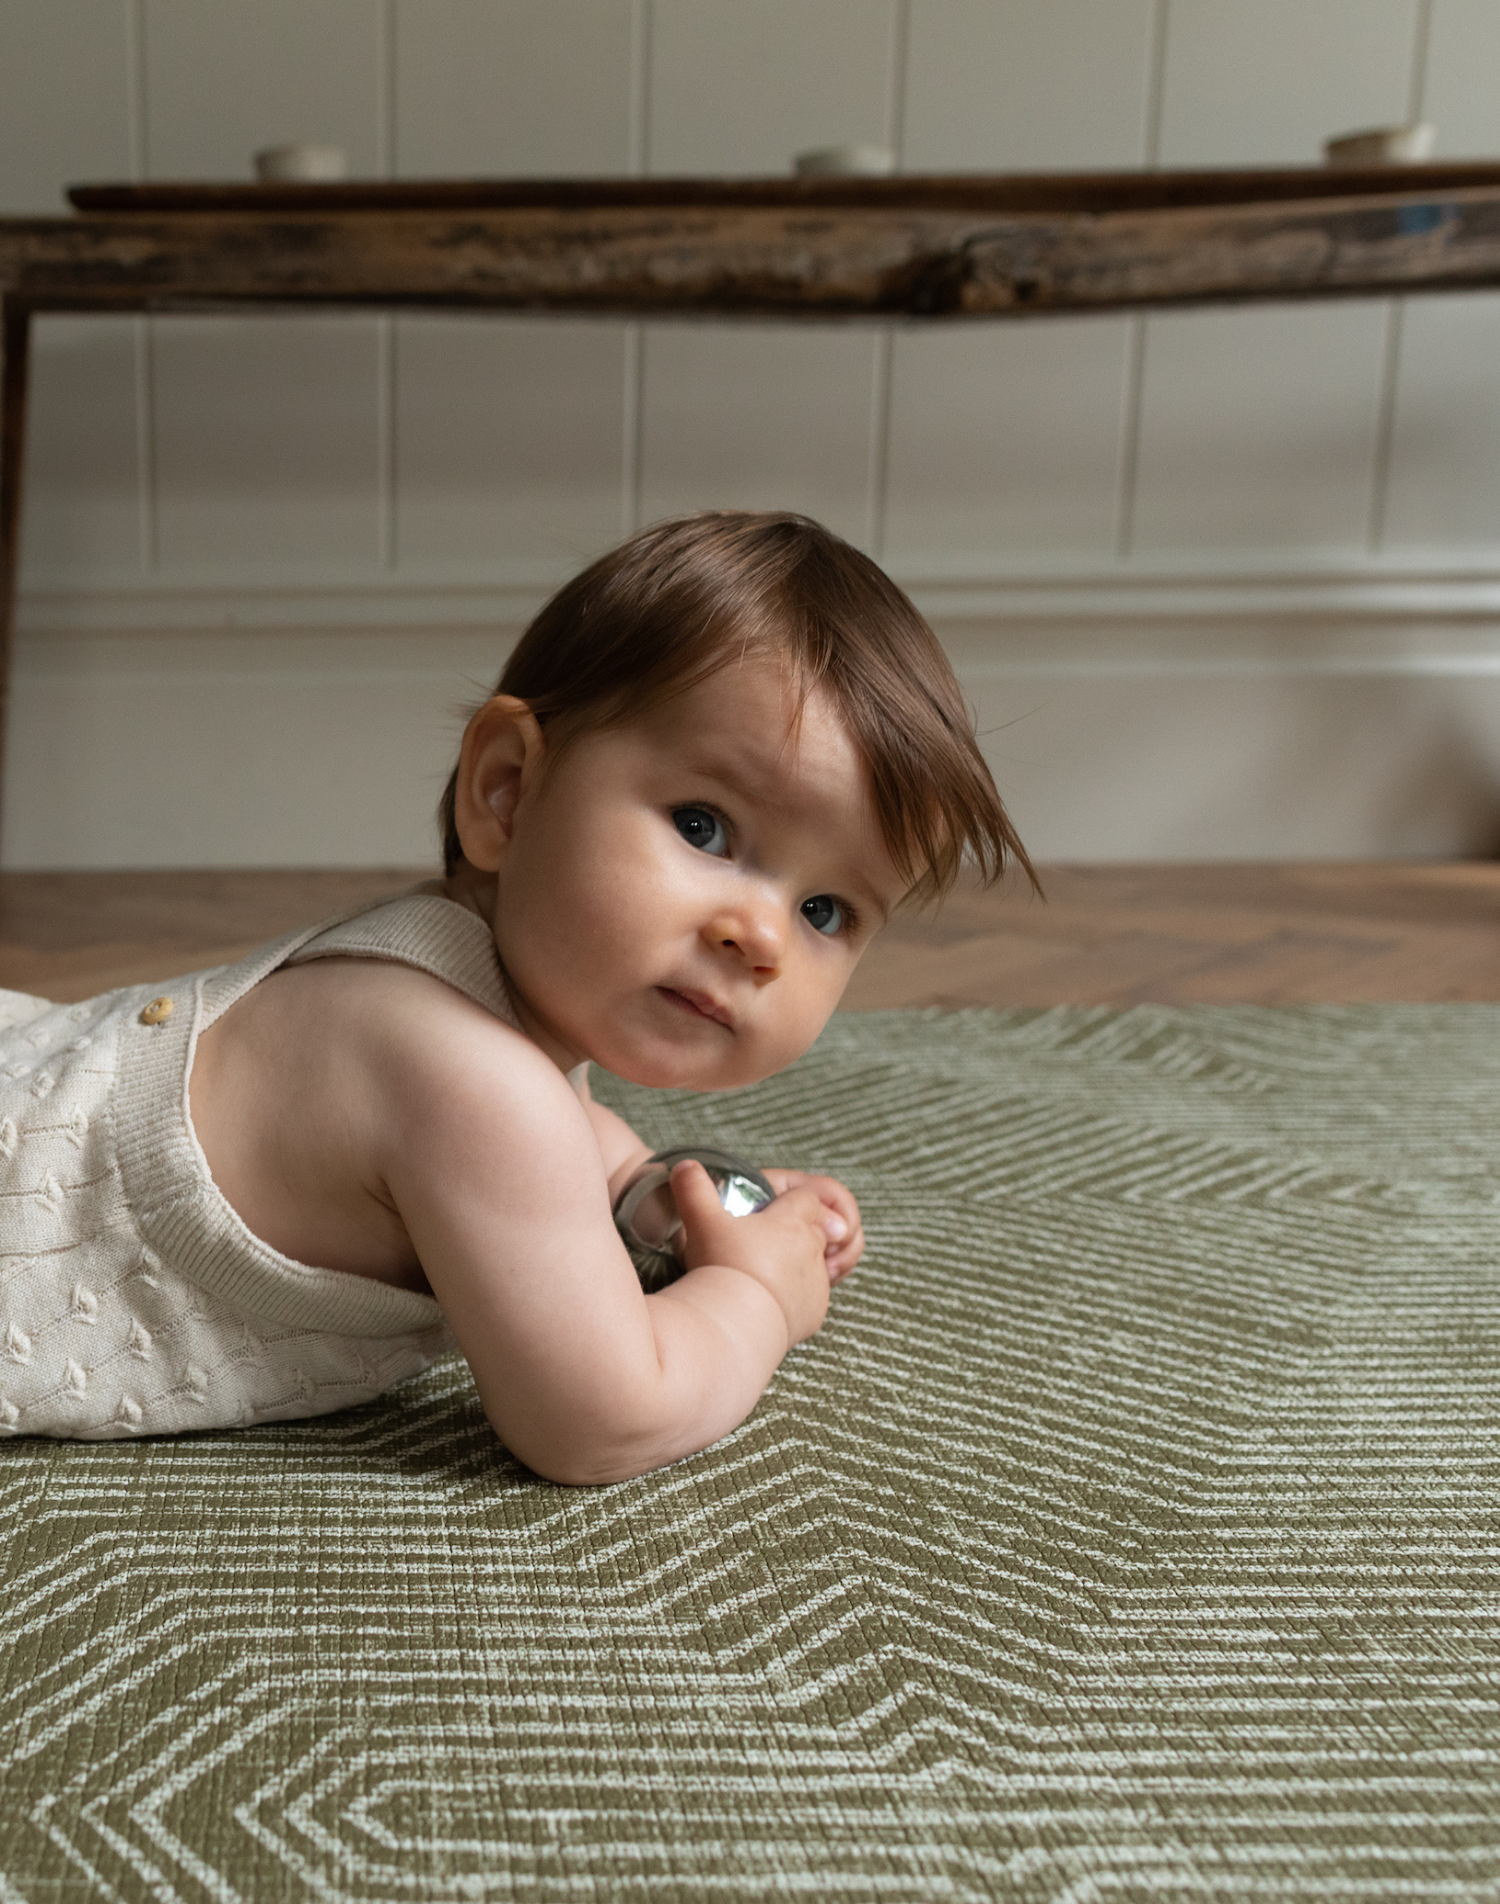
(133, 1300)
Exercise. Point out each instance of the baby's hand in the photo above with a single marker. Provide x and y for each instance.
(846, 1236)
(783, 1246)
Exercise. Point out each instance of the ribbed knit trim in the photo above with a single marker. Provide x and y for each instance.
(179, 1209)
(428, 931)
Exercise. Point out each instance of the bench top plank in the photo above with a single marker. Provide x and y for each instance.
(919, 248)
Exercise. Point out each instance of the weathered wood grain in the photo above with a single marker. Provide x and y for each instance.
(610, 259)
(1231, 254)
(985, 192)
(760, 261)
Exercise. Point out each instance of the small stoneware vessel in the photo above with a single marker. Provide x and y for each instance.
(1383, 145)
(301, 162)
(845, 161)
(646, 1211)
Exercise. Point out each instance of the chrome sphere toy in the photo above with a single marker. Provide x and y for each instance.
(646, 1211)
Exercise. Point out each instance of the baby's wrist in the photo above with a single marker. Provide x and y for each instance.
(740, 1298)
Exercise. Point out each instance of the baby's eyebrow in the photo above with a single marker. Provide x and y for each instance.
(741, 780)
(749, 785)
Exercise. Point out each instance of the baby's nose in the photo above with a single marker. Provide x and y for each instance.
(756, 933)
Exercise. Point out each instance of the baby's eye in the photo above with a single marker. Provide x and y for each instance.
(823, 913)
(702, 827)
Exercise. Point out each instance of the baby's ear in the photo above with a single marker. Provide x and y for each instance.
(500, 758)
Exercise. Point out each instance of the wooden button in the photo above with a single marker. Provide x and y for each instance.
(157, 1012)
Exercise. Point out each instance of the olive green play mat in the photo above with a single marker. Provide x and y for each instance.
(1129, 1533)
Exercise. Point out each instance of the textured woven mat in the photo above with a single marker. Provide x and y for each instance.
(1130, 1532)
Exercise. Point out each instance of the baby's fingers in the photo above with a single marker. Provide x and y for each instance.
(841, 1224)
(841, 1257)
(703, 1215)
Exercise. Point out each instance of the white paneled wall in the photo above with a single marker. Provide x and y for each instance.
(1006, 443)
(88, 496)
(1444, 481)
(1011, 86)
(758, 417)
(1263, 82)
(1258, 429)
(1219, 583)
(523, 88)
(509, 444)
(217, 81)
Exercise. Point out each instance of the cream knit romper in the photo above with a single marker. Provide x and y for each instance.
(133, 1300)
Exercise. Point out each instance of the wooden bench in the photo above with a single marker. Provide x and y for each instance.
(923, 249)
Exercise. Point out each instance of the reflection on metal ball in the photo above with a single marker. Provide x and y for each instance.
(646, 1211)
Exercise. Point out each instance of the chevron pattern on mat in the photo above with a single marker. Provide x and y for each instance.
(1130, 1532)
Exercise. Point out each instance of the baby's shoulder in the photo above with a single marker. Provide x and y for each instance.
(420, 1056)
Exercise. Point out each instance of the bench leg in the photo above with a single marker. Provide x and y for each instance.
(15, 347)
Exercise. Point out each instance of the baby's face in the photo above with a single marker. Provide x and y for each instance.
(684, 898)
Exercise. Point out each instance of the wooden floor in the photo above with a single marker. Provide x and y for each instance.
(1258, 934)
(1229, 933)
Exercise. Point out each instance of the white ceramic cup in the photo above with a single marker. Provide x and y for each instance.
(845, 161)
(301, 162)
(1383, 145)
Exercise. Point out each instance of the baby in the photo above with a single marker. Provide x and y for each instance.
(715, 764)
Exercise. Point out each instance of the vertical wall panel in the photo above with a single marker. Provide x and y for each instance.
(508, 441)
(266, 444)
(757, 417)
(752, 416)
(1010, 86)
(512, 87)
(509, 435)
(64, 99)
(82, 496)
(65, 117)
(1461, 95)
(266, 428)
(1265, 84)
(1006, 440)
(1444, 486)
(1258, 428)
(225, 79)
(743, 85)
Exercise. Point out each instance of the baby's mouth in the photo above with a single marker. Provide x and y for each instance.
(702, 1004)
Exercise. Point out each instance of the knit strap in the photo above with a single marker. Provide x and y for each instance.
(425, 929)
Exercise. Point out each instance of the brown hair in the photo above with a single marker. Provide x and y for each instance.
(667, 608)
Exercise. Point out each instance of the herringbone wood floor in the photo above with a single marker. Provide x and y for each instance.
(1228, 933)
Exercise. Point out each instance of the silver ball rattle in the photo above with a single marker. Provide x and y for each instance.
(646, 1211)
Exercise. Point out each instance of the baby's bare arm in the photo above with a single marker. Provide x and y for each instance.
(494, 1168)
(622, 1151)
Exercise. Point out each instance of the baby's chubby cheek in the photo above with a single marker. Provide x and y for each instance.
(567, 967)
(579, 936)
